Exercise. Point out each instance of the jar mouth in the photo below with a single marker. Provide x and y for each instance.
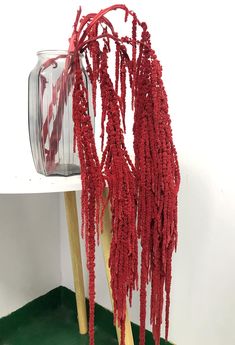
(52, 52)
(55, 52)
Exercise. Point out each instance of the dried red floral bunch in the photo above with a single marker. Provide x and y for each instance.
(143, 193)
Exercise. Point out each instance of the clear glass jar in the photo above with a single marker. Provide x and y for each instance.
(50, 91)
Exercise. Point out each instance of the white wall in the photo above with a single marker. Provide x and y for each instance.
(29, 224)
(194, 41)
(29, 248)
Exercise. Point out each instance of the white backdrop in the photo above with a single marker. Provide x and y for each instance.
(29, 248)
(194, 41)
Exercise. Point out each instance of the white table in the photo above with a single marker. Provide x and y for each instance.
(35, 183)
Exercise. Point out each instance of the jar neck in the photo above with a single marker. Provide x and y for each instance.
(51, 54)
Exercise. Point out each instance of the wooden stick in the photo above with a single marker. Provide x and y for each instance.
(106, 238)
(73, 230)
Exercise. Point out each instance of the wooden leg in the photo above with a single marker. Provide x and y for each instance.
(106, 238)
(73, 230)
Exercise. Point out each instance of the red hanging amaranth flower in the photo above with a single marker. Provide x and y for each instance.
(92, 181)
(143, 194)
(157, 183)
(147, 190)
(119, 172)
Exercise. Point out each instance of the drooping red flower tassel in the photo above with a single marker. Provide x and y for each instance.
(118, 171)
(157, 183)
(92, 181)
(142, 193)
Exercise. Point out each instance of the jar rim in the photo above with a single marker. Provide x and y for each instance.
(52, 52)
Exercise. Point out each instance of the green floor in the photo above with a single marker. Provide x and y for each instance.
(51, 320)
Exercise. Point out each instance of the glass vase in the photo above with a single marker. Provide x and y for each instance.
(50, 91)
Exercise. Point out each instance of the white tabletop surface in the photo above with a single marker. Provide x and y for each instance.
(36, 183)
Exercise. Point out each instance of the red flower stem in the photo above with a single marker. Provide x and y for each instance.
(97, 18)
